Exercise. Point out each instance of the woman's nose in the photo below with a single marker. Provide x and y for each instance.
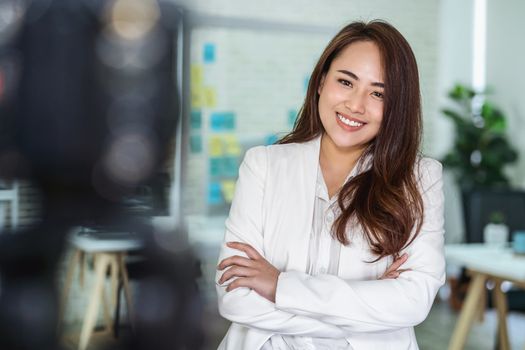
(355, 103)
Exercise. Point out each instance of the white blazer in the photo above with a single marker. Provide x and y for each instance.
(272, 210)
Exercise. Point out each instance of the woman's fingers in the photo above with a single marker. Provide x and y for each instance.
(240, 282)
(235, 260)
(236, 271)
(248, 249)
(397, 263)
(394, 270)
(391, 275)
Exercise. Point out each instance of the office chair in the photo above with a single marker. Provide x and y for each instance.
(478, 206)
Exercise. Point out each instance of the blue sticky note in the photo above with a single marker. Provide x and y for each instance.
(196, 119)
(209, 53)
(271, 139)
(305, 83)
(214, 193)
(221, 121)
(217, 121)
(195, 143)
(292, 116)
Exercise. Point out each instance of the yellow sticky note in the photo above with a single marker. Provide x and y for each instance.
(232, 145)
(228, 190)
(215, 147)
(197, 76)
(196, 82)
(197, 99)
(210, 97)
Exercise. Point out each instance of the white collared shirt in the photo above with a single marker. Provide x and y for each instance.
(323, 259)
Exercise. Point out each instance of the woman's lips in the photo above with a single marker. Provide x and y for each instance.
(349, 124)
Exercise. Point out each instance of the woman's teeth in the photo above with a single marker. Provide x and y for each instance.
(348, 121)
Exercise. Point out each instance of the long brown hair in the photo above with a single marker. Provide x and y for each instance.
(384, 199)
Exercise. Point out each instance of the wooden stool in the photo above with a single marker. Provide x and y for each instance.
(108, 250)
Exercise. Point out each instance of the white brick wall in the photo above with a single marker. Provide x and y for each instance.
(265, 51)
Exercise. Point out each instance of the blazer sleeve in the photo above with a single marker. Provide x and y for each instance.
(245, 224)
(379, 305)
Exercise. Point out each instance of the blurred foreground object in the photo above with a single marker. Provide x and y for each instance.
(88, 111)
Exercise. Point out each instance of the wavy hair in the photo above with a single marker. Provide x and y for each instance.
(385, 198)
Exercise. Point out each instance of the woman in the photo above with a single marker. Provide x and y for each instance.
(335, 235)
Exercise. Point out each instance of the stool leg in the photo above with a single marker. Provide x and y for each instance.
(468, 312)
(115, 271)
(117, 311)
(500, 301)
(102, 262)
(127, 290)
(482, 306)
(67, 285)
(82, 264)
(105, 309)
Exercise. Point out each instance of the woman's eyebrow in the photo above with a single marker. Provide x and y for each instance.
(350, 74)
(355, 77)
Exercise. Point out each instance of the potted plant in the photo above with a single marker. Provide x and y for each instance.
(496, 232)
(481, 150)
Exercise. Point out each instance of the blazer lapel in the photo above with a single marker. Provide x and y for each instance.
(303, 175)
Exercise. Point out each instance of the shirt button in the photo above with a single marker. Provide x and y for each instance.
(322, 270)
(330, 217)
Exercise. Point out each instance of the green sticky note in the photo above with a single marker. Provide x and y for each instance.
(215, 167)
(230, 166)
(196, 143)
(196, 119)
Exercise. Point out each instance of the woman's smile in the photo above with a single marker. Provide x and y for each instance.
(349, 123)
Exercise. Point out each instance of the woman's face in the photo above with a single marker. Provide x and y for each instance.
(351, 97)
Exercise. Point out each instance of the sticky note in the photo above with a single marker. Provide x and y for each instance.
(195, 143)
(306, 83)
(229, 121)
(230, 166)
(271, 139)
(197, 100)
(221, 121)
(216, 167)
(196, 81)
(210, 97)
(228, 190)
(216, 121)
(214, 193)
(208, 53)
(196, 76)
(215, 146)
(292, 116)
(232, 147)
(196, 119)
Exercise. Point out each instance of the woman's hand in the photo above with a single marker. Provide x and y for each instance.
(253, 272)
(394, 270)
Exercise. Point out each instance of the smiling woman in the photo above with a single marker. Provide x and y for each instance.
(337, 231)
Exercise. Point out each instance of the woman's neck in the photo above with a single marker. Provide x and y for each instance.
(336, 164)
(335, 159)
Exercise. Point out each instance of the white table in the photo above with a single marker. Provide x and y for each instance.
(484, 263)
(109, 250)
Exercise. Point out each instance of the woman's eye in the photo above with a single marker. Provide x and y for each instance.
(377, 94)
(345, 82)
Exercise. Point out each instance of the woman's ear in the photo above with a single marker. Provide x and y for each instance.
(321, 84)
